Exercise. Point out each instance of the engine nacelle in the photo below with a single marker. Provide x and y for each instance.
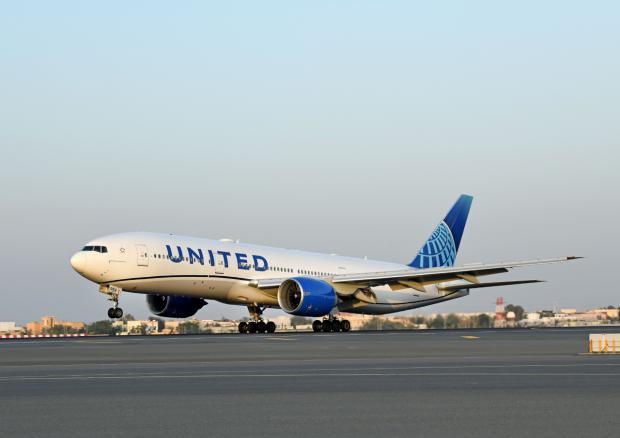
(174, 306)
(305, 296)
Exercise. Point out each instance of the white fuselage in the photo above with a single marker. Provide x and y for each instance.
(222, 270)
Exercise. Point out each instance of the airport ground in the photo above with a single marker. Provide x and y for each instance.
(499, 383)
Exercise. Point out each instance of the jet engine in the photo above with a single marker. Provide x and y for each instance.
(306, 296)
(174, 306)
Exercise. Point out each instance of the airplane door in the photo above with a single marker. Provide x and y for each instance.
(219, 264)
(143, 255)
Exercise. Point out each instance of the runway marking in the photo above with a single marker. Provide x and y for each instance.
(276, 338)
(302, 375)
(339, 371)
(297, 361)
(470, 337)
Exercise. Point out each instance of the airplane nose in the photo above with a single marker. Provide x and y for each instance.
(78, 262)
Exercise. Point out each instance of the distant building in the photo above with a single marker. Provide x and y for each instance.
(611, 313)
(34, 328)
(140, 327)
(48, 322)
(511, 319)
(171, 325)
(9, 327)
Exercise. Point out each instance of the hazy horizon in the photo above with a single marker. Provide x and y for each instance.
(344, 128)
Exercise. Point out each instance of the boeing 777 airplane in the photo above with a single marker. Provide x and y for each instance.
(178, 273)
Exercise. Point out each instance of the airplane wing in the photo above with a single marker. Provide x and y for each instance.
(418, 278)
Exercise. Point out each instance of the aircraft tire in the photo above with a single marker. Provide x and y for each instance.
(326, 326)
(243, 327)
(261, 327)
(252, 327)
(345, 325)
(335, 325)
(316, 325)
(271, 327)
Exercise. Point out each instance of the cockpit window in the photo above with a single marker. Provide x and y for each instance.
(102, 249)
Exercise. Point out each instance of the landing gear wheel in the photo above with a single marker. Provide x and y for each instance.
(252, 327)
(345, 325)
(335, 325)
(316, 325)
(261, 326)
(115, 313)
(326, 326)
(271, 327)
(243, 327)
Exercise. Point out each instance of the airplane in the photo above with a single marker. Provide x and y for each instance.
(179, 273)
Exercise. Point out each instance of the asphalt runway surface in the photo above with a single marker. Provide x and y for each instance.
(507, 383)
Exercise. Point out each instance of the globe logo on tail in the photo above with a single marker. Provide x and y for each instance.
(439, 250)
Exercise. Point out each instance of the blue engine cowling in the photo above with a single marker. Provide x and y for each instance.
(306, 296)
(174, 306)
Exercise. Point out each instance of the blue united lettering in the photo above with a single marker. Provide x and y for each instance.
(242, 260)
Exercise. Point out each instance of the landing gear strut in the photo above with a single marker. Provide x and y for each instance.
(257, 325)
(114, 293)
(331, 324)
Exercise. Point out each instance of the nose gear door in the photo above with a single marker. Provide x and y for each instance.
(143, 255)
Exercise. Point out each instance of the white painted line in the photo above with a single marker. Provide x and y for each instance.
(304, 375)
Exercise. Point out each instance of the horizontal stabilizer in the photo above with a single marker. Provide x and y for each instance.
(491, 284)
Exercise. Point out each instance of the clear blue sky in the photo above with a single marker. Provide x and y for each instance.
(345, 127)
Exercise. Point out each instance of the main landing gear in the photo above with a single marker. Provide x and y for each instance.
(331, 324)
(114, 293)
(257, 325)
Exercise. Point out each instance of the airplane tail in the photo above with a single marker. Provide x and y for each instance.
(442, 246)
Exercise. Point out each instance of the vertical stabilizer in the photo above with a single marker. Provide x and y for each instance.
(442, 246)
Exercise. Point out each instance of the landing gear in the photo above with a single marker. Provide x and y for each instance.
(114, 293)
(115, 313)
(331, 324)
(257, 325)
(243, 327)
(261, 327)
(335, 325)
(316, 326)
(271, 327)
(326, 326)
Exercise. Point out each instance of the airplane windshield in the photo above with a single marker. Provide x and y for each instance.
(101, 249)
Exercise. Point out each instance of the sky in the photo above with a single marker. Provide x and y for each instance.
(343, 127)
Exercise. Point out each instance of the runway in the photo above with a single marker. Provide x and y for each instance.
(508, 383)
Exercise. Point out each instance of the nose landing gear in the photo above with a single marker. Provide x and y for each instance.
(113, 293)
(257, 325)
(115, 313)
